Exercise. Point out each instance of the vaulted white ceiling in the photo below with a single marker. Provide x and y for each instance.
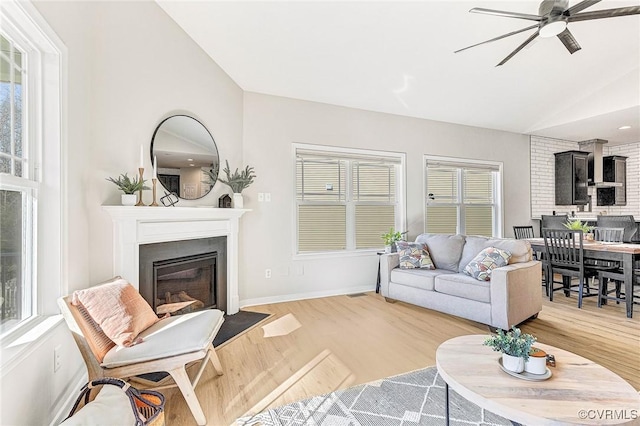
(397, 57)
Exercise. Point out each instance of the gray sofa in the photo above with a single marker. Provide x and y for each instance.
(511, 296)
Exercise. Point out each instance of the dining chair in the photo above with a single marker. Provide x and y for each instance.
(594, 266)
(168, 345)
(523, 232)
(624, 221)
(618, 278)
(608, 235)
(564, 253)
(554, 221)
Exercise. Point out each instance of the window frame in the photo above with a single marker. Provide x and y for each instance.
(46, 101)
(400, 215)
(461, 163)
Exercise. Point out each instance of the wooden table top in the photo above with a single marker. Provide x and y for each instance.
(579, 392)
(597, 245)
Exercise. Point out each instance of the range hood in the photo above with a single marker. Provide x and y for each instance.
(595, 164)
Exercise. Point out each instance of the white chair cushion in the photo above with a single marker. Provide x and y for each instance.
(111, 407)
(171, 336)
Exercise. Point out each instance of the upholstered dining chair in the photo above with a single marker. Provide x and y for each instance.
(625, 221)
(168, 345)
(564, 253)
(554, 221)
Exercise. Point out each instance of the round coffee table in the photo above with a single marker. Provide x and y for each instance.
(579, 391)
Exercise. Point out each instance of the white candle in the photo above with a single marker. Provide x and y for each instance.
(141, 156)
(155, 167)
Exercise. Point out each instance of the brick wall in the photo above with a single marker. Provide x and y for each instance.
(543, 178)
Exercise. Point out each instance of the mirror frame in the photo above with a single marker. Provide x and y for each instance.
(215, 147)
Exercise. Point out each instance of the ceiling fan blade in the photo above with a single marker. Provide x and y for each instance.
(569, 41)
(580, 7)
(498, 38)
(607, 13)
(519, 48)
(506, 14)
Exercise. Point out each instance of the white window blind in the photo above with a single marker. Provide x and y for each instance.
(462, 198)
(344, 201)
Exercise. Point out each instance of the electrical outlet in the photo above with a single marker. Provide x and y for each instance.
(267, 197)
(57, 362)
(260, 197)
(267, 273)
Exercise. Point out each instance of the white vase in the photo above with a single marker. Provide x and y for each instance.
(513, 363)
(238, 201)
(129, 199)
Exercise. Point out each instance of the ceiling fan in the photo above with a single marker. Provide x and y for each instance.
(552, 20)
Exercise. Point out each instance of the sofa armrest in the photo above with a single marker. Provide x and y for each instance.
(388, 262)
(516, 293)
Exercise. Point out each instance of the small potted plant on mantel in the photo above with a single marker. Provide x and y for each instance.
(129, 187)
(238, 181)
(515, 347)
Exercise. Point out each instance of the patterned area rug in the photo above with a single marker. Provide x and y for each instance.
(415, 398)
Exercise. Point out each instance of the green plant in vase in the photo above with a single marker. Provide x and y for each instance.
(515, 347)
(129, 186)
(390, 238)
(578, 225)
(238, 181)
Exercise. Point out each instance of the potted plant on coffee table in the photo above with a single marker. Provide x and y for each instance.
(515, 347)
(129, 187)
(238, 181)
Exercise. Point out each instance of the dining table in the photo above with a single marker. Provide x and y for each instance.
(625, 253)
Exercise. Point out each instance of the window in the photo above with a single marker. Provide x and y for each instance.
(463, 197)
(346, 199)
(30, 183)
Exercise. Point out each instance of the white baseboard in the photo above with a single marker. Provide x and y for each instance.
(302, 296)
(74, 390)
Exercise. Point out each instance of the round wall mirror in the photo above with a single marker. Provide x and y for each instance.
(187, 157)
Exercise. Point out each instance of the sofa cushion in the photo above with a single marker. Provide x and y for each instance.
(461, 285)
(445, 250)
(414, 256)
(487, 260)
(520, 249)
(417, 278)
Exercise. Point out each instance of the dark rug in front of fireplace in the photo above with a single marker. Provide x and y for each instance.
(232, 327)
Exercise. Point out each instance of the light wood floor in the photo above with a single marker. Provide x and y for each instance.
(316, 346)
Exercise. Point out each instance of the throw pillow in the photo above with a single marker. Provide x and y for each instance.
(488, 259)
(414, 256)
(118, 309)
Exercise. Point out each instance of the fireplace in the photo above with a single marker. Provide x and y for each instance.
(178, 277)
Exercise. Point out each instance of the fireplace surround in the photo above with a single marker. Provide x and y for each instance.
(137, 226)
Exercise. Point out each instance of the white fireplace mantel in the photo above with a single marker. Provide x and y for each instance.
(133, 226)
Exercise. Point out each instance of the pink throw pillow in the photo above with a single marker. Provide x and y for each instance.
(118, 309)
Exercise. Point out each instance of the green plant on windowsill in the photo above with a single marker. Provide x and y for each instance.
(127, 185)
(578, 225)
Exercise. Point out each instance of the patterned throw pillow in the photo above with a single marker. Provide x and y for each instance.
(414, 256)
(488, 259)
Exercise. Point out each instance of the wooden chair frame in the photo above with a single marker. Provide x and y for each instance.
(82, 329)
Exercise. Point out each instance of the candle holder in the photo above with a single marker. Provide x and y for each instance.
(154, 204)
(140, 203)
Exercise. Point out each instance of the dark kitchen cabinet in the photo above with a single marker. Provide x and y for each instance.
(614, 169)
(571, 178)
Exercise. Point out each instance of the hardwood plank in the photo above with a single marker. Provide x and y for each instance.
(362, 339)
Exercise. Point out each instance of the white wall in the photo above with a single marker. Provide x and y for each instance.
(129, 66)
(272, 124)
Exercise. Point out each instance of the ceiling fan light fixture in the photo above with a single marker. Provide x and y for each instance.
(553, 28)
